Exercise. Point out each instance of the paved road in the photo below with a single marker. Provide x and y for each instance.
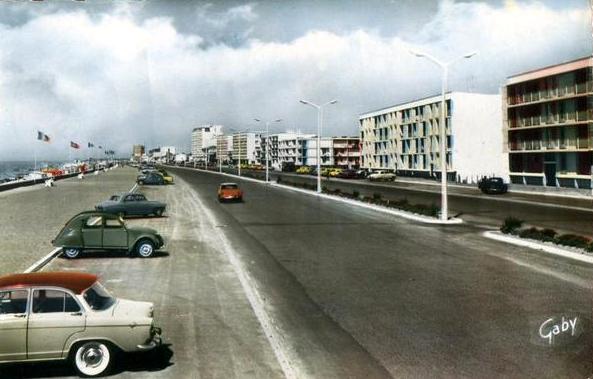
(566, 215)
(422, 301)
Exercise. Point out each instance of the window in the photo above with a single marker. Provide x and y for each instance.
(53, 301)
(140, 198)
(130, 198)
(94, 222)
(98, 298)
(112, 223)
(114, 198)
(13, 302)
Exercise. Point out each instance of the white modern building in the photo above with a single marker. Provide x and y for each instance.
(406, 138)
(203, 137)
(244, 147)
(310, 151)
(224, 148)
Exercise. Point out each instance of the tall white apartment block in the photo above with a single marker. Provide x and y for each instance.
(244, 147)
(224, 147)
(203, 137)
(406, 138)
(310, 151)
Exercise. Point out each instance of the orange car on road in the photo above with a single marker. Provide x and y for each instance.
(229, 192)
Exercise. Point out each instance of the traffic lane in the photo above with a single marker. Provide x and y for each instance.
(442, 304)
(485, 210)
(209, 328)
(311, 343)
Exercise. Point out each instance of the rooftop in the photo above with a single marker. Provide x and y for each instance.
(74, 281)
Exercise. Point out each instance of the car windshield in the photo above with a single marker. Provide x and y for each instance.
(98, 298)
(114, 198)
(229, 186)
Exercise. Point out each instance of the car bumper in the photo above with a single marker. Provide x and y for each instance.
(154, 341)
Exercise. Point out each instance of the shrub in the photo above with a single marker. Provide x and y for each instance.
(337, 191)
(549, 235)
(590, 247)
(573, 240)
(376, 196)
(533, 233)
(510, 225)
(279, 179)
(356, 194)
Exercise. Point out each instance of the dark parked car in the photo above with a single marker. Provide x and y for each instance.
(125, 204)
(94, 230)
(493, 185)
(348, 174)
(152, 177)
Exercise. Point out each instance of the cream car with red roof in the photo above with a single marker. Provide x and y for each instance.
(70, 315)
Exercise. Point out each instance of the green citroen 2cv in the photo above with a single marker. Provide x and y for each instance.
(95, 230)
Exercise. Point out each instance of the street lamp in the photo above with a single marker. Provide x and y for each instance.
(443, 133)
(267, 144)
(319, 124)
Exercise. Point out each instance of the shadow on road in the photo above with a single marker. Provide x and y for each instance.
(115, 254)
(153, 361)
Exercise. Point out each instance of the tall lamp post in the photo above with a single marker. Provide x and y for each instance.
(443, 124)
(267, 144)
(319, 125)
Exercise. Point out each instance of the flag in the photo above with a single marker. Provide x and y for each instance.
(74, 145)
(100, 147)
(90, 145)
(42, 136)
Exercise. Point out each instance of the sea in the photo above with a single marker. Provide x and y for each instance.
(14, 169)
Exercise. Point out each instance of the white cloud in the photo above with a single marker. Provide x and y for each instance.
(116, 81)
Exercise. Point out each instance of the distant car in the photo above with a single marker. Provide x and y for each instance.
(303, 170)
(493, 185)
(151, 177)
(95, 230)
(70, 316)
(335, 172)
(126, 203)
(362, 174)
(348, 174)
(229, 192)
(382, 176)
(168, 178)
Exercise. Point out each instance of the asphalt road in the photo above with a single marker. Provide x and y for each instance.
(564, 214)
(421, 301)
(290, 283)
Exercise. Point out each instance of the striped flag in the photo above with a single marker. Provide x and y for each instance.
(90, 144)
(42, 136)
(74, 145)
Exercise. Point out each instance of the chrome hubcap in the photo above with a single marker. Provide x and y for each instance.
(71, 252)
(146, 249)
(92, 357)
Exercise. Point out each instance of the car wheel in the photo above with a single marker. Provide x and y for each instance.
(159, 212)
(141, 182)
(71, 252)
(145, 248)
(92, 358)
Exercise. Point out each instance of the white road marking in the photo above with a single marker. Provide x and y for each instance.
(276, 338)
(44, 261)
(134, 188)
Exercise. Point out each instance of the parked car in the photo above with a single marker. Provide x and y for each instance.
(70, 316)
(126, 203)
(151, 177)
(335, 172)
(95, 230)
(348, 174)
(493, 185)
(229, 192)
(168, 178)
(383, 176)
(303, 170)
(362, 174)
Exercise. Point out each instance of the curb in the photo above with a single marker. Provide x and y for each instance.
(499, 236)
(407, 215)
(44, 261)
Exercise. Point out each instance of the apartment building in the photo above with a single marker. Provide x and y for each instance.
(548, 125)
(224, 148)
(346, 152)
(203, 137)
(137, 152)
(290, 147)
(244, 147)
(405, 138)
(309, 151)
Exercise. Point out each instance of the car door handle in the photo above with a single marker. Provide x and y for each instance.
(76, 314)
(21, 315)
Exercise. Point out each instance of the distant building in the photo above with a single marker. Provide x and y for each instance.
(137, 152)
(309, 151)
(406, 137)
(243, 145)
(346, 152)
(548, 125)
(203, 137)
(224, 148)
(162, 154)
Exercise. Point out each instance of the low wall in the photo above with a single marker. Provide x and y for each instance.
(27, 183)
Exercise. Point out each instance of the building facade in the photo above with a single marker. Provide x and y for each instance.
(310, 151)
(346, 152)
(137, 152)
(548, 125)
(203, 137)
(224, 148)
(244, 148)
(405, 138)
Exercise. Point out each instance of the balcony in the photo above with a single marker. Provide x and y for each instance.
(581, 143)
(554, 119)
(551, 94)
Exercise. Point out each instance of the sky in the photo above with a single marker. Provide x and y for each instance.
(148, 71)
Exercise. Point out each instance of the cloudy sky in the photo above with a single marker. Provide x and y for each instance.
(148, 71)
